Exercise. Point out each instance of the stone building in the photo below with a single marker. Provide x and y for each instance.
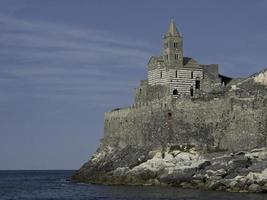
(175, 76)
(184, 107)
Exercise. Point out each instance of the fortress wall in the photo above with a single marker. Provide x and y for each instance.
(221, 124)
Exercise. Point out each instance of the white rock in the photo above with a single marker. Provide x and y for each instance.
(261, 78)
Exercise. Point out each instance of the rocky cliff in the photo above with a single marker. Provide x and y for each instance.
(215, 141)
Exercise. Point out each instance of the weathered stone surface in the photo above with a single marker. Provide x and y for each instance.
(201, 136)
(254, 188)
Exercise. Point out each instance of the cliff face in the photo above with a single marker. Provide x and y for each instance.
(177, 141)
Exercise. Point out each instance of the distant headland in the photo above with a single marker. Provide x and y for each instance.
(189, 126)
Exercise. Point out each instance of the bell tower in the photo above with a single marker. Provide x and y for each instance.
(173, 47)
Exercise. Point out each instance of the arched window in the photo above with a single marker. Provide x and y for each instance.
(175, 92)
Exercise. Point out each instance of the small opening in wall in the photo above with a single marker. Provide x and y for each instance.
(169, 114)
(176, 74)
(192, 75)
(160, 74)
(175, 92)
(197, 84)
(191, 92)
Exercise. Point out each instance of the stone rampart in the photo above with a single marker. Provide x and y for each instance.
(220, 124)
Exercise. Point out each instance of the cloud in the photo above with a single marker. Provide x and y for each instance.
(43, 59)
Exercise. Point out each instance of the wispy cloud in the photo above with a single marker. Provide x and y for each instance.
(52, 59)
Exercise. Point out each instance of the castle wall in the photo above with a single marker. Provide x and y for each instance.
(221, 124)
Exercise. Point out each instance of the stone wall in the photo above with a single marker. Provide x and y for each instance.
(220, 124)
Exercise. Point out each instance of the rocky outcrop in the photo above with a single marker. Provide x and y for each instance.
(216, 141)
(236, 172)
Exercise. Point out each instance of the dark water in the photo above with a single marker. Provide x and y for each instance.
(44, 185)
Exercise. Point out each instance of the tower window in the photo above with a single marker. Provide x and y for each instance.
(176, 74)
(175, 92)
(175, 44)
(176, 57)
(192, 75)
(160, 74)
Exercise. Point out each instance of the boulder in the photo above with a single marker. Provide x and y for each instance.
(255, 188)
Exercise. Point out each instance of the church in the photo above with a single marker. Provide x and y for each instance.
(172, 75)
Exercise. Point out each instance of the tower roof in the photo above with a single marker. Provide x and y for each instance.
(172, 31)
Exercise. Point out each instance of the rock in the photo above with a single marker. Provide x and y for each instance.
(121, 171)
(232, 173)
(215, 185)
(233, 184)
(177, 176)
(216, 166)
(259, 178)
(258, 166)
(185, 169)
(265, 187)
(254, 188)
(204, 165)
(187, 185)
(239, 163)
(240, 153)
(220, 172)
(210, 172)
(200, 177)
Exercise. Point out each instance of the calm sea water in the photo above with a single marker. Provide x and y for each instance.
(44, 185)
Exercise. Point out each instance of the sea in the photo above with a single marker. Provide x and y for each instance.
(56, 185)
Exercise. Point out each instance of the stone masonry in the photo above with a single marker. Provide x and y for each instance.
(189, 126)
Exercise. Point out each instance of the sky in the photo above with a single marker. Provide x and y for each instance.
(63, 63)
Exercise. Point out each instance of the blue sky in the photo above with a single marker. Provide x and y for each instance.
(63, 63)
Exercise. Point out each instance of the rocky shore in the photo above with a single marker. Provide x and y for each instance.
(181, 166)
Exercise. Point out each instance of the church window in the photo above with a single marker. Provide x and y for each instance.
(197, 84)
(176, 74)
(175, 44)
(160, 74)
(175, 92)
(192, 75)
